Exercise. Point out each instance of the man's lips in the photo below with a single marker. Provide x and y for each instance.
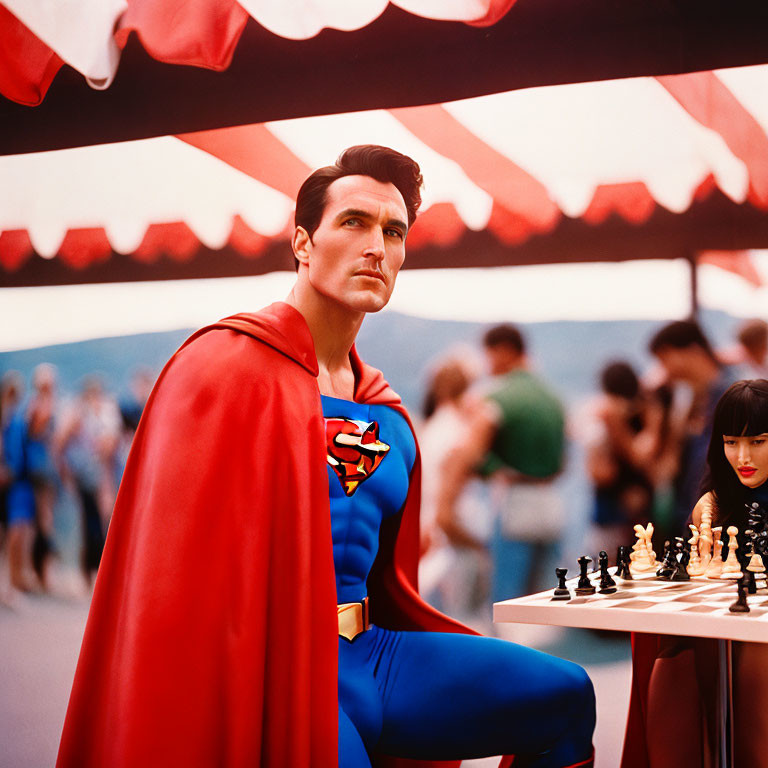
(747, 471)
(371, 273)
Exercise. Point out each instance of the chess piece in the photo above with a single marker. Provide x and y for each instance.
(622, 564)
(584, 585)
(607, 584)
(695, 567)
(732, 566)
(756, 568)
(706, 538)
(642, 557)
(751, 582)
(715, 566)
(561, 591)
(741, 605)
(668, 565)
(681, 559)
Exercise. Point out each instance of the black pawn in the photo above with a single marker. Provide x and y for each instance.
(607, 584)
(740, 606)
(584, 585)
(622, 564)
(561, 591)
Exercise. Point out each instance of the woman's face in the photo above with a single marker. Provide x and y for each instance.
(748, 455)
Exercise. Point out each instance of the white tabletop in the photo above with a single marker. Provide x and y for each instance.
(698, 608)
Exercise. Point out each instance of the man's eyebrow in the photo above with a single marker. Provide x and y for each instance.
(368, 215)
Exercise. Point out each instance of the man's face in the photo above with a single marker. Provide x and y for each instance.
(358, 248)
(677, 363)
(502, 358)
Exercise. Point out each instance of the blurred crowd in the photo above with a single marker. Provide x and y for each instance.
(494, 450)
(53, 446)
(494, 438)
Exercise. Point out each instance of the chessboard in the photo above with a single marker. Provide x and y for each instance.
(695, 608)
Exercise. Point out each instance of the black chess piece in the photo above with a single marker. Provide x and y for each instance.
(668, 565)
(740, 606)
(561, 591)
(584, 586)
(622, 564)
(681, 558)
(607, 584)
(751, 584)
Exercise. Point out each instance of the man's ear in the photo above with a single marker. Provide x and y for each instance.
(302, 245)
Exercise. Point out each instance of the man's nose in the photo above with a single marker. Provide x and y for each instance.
(375, 245)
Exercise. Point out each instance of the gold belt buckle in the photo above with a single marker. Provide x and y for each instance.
(353, 619)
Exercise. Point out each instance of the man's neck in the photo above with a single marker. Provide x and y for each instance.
(334, 329)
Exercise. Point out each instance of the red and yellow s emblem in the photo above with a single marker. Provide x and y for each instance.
(353, 450)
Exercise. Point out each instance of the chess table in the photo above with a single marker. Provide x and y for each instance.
(695, 608)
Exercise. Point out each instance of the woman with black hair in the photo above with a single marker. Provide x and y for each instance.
(737, 458)
(675, 679)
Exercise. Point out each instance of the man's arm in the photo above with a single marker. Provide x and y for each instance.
(458, 467)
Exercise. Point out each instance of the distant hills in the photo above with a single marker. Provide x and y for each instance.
(568, 354)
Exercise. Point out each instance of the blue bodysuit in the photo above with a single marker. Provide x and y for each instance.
(431, 695)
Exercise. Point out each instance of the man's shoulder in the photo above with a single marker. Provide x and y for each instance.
(221, 358)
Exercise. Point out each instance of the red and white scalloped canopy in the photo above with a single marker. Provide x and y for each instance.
(38, 36)
(512, 163)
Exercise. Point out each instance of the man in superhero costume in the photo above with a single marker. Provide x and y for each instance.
(256, 603)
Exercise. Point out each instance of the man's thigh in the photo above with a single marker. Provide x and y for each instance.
(452, 696)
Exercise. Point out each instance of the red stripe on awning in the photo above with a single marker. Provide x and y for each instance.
(631, 200)
(27, 64)
(496, 9)
(200, 33)
(15, 248)
(509, 226)
(245, 241)
(440, 225)
(254, 150)
(706, 98)
(174, 238)
(738, 262)
(82, 247)
(513, 188)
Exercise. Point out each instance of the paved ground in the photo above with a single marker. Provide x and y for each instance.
(40, 639)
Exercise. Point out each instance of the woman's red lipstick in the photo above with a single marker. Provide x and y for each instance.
(747, 471)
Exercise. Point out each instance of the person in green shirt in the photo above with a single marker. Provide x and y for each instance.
(516, 441)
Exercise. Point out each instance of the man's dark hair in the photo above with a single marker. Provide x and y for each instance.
(619, 378)
(753, 333)
(680, 335)
(505, 335)
(380, 163)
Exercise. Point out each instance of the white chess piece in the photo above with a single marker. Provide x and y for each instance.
(758, 568)
(732, 567)
(641, 558)
(715, 566)
(653, 562)
(695, 566)
(705, 538)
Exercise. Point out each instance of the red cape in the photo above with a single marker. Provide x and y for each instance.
(212, 636)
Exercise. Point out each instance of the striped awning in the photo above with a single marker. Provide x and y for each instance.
(514, 165)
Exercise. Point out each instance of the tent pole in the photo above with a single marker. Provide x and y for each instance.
(694, 283)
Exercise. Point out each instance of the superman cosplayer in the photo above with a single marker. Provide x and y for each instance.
(256, 603)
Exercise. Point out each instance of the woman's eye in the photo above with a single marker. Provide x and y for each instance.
(758, 441)
(728, 442)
